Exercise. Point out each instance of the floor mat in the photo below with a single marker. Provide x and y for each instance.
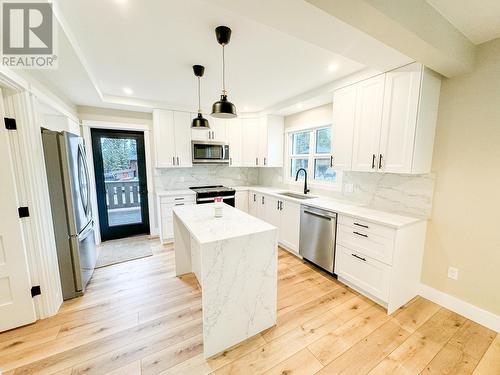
(118, 251)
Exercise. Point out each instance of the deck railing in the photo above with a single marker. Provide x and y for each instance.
(122, 194)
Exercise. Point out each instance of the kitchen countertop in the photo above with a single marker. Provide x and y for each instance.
(200, 221)
(340, 207)
(169, 193)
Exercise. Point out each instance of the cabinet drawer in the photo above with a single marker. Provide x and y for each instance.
(366, 226)
(366, 243)
(363, 272)
(178, 198)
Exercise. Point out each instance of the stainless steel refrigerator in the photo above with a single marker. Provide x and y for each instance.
(68, 180)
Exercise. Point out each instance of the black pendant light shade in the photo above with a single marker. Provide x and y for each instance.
(223, 108)
(199, 122)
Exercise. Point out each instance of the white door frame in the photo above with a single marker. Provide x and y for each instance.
(32, 188)
(87, 125)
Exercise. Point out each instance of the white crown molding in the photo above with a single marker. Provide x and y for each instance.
(474, 313)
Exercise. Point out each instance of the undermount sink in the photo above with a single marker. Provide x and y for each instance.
(296, 195)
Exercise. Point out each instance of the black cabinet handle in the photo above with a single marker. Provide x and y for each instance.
(254, 197)
(357, 256)
(278, 205)
(373, 161)
(331, 161)
(281, 205)
(380, 162)
(262, 199)
(360, 234)
(361, 225)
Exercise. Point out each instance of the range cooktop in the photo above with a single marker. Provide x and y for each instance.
(211, 189)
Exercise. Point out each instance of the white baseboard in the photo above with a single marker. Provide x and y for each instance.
(461, 307)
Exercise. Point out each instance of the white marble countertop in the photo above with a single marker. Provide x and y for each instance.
(205, 227)
(341, 207)
(169, 193)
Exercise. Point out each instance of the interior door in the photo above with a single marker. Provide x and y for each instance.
(367, 124)
(121, 185)
(402, 90)
(16, 303)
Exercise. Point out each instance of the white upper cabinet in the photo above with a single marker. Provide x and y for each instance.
(367, 122)
(234, 140)
(344, 107)
(172, 138)
(271, 130)
(394, 120)
(250, 140)
(216, 133)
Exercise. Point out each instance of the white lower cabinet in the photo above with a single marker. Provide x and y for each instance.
(166, 205)
(381, 262)
(241, 200)
(283, 214)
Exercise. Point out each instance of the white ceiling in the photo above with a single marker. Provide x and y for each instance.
(478, 20)
(150, 46)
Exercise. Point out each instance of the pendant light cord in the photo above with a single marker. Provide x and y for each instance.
(199, 95)
(223, 72)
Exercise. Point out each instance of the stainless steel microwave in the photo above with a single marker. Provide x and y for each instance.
(210, 152)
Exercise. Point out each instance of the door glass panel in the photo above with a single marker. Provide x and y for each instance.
(121, 179)
(296, 165)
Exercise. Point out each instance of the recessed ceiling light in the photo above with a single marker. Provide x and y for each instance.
(128, 90)
(245, 108)
(121, 1)
(299, 105)
(332, 67)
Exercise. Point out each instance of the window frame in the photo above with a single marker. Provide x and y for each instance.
(311, 157)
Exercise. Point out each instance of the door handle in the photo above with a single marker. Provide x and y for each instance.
(361, 225)
(373, 161)
(281, 205)
(254, 198)
(360, 258)
(173, 160)
(256, 161)
(380, 161)
(278, 205)
(265, 161)
(262, 199)
(331, 161)
(318, 215)
(178, 160)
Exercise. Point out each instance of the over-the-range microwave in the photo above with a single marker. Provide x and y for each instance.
(210, 152)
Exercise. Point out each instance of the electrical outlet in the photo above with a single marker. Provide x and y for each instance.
(453, 273)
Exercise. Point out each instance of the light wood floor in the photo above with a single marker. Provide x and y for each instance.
(137, 317)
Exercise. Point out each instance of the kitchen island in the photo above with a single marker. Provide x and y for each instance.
(235, 260)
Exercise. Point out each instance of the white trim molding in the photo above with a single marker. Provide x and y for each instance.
(466, 309)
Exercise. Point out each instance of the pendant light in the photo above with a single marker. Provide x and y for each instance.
(199, 122)
(223, 108)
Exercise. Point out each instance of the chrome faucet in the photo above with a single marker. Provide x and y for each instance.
(306, 190)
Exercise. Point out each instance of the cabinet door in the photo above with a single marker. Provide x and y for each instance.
(367, 124)
(399, 119)
(250, 146)
(241, 200)
(271, 139)
(344, 109)
(218, 129)
(164, 138)
(182, 122)
(272, 212)
(253, 203)
(290, 225)
(234, 140)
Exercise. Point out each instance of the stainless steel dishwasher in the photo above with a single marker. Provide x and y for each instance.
(318, 229)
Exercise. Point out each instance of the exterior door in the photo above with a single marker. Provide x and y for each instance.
(121, 186)
(16, 303)
(368, 120)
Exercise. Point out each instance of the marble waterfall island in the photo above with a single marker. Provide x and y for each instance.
(235, 260)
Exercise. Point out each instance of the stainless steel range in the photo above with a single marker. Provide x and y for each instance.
(207, 194)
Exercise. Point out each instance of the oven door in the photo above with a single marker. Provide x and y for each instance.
(210, 152)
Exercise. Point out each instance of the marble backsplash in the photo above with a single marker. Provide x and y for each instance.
(183, 178)
(398, 193)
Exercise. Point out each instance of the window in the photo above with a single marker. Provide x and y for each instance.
(311, 149)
